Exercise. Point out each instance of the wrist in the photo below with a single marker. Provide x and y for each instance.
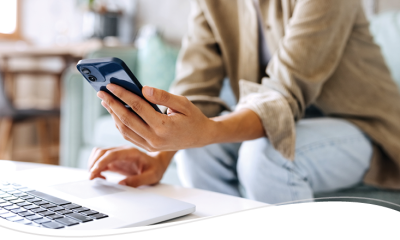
(164, 158)
(237, 126)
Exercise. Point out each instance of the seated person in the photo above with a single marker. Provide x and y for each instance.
(281, 57)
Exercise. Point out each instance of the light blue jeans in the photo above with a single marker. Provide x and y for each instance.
(331, 154)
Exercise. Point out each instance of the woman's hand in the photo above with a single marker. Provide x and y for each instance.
(185, 126)
(138, 167)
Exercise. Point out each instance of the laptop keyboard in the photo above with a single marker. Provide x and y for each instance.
(30, 207)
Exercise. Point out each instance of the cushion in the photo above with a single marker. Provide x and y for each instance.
(386, 31)
(156, 63)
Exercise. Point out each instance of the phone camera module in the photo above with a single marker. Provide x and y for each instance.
(85, 71)
(92, 78)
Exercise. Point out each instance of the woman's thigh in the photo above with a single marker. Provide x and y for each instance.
(330, 154)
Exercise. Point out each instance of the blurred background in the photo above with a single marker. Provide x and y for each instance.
(48, 114)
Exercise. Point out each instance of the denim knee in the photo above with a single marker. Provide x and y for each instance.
(268, 177)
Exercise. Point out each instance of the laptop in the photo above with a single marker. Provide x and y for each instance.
(59, 198)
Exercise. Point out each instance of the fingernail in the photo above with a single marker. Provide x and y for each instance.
(149, 91)
(111, 87)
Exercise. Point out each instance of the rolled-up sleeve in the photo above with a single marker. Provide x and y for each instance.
(200, 70)
(308, 55)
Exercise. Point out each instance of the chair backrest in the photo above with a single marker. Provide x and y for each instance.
(386, 31)
(6, 108)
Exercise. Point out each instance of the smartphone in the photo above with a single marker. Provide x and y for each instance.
(102, 71)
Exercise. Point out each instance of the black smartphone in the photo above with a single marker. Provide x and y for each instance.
(101, 71)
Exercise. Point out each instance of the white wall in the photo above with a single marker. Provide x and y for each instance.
(47, 22)
(50, 21)
(170, 16)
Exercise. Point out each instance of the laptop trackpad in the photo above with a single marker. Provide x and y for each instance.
(87, 189)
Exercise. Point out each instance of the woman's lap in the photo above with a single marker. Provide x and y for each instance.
(330, 154)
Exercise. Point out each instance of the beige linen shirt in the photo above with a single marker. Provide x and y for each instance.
(322, 54)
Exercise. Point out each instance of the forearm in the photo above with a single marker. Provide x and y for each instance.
(237, 126)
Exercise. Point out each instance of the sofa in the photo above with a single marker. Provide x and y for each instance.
(85, 124)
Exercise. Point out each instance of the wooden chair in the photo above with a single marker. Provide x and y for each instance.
(9, 114)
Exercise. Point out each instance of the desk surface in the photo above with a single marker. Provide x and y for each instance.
(207, 203)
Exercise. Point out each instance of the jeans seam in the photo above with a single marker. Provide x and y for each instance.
(328, 142)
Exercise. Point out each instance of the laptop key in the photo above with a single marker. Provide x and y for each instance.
(35, 225)
(3, 195)
(71, 206)
(27, 197)
(24, 221)
(14, 192)
(2, 201)
(22, 204)
(11, 207)
(46, 213)
(5, 204)
(37, 210)
(17, 201)
(91, 212)
(7, 189)
(41, 221)
(32, 200)
(56, 209)
(25, 189)
(53, 225)
(7, 215)
(81, 209)
(67, 221)
(10, 198)
(25, 214)
(20, 194)
(15, 219)
(54, 216)
(41, 203)
(30, 207)
(33, 217)
(2, 211)
(18, 210)
(63, 212)
(47, 206)
(48, 198)
(79, 217)
(98, 216)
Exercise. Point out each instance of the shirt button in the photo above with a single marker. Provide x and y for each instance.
(267, 27)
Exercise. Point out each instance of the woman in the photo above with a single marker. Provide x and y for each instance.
(281, 57)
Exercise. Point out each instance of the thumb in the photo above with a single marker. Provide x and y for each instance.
(164, 98)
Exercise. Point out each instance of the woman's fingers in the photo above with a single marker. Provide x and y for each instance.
(95, 155)
(126, 167)
(127, 117)
(138, 104)
(108, 157)
(127, 133)
(164, 98)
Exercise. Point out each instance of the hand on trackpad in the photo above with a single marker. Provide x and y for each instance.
(87, 189)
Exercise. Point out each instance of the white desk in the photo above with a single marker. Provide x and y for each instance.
(207, 203)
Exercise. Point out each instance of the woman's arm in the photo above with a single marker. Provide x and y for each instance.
(185, 126)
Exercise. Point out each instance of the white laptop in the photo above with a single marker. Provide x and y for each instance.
(52, 198)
